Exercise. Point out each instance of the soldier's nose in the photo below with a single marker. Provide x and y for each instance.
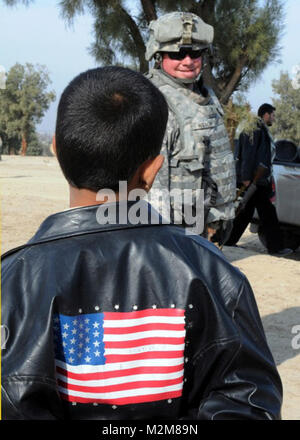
(187, 60)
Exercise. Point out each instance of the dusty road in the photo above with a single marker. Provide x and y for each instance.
(33, 188)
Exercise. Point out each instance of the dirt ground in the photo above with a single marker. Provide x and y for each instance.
(33, 188)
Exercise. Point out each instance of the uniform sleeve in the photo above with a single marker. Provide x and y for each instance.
(240, 378)
(161, 185)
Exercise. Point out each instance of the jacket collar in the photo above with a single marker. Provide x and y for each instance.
(96, 218)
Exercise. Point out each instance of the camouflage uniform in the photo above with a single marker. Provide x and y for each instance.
(196, 138)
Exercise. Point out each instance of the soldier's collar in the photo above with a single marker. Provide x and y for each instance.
(197, 91)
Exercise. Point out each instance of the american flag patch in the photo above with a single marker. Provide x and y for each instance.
(120, 358)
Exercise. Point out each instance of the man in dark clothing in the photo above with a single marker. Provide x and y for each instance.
(257, 149)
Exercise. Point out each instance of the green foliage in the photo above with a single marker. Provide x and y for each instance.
(287, 104)
(176, 5)
(10, 145)
(117, 37)
(247, 37)
(39, 144)
(247, 34)
(34, 147)
(24, 101)
(238, 117)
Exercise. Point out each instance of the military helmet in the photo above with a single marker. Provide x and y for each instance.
(172, 31)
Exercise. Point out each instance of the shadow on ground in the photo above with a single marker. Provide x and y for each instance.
(248, 246)
(283, 333)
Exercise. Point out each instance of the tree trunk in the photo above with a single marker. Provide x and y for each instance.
(205, 10)
(231, 122)
(149, 10)
(24, 145)
(136, 35)
(223, 91)
(210, 80)
(235, 78)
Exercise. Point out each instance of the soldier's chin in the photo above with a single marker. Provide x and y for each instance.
(191, 74)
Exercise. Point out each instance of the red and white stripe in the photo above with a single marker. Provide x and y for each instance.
(144, 361)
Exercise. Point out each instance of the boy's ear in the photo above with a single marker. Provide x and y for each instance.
(146, 173)
(149, 170)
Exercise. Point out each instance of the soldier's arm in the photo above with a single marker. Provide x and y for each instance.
(169, 149)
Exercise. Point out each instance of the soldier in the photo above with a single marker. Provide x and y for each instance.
(196, 145)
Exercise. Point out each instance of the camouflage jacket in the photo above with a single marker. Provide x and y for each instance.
(195, 140)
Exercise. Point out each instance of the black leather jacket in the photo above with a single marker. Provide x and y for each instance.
(74, 265)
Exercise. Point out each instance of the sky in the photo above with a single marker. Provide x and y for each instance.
(38, 34)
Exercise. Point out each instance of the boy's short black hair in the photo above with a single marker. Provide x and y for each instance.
(265, 108)
(109, 121)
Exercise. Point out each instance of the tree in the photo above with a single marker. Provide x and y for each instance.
(237, 116)
(23, 103)
(251, 33)
(40, 145)
(287, 106)
(247, 34)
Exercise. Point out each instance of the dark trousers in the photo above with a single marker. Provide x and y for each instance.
(268, 219)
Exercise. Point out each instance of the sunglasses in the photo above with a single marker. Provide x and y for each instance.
(183, 53)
